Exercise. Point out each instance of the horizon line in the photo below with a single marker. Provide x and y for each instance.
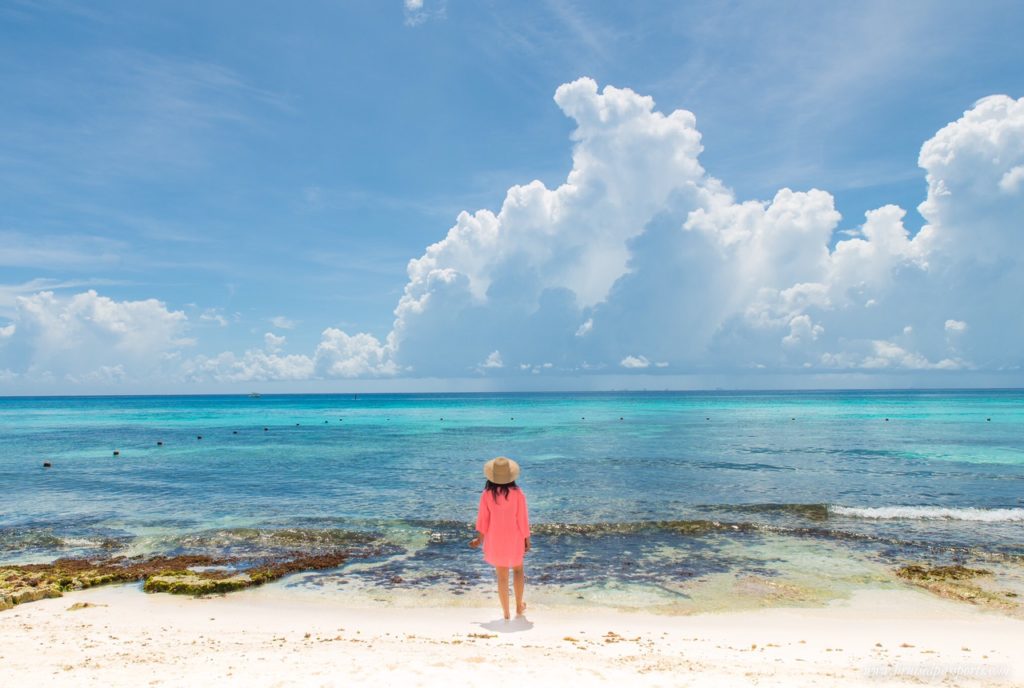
(738, 390)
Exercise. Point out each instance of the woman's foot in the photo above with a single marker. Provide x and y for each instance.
(520, 609)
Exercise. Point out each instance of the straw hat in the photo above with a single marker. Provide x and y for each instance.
(501, 470)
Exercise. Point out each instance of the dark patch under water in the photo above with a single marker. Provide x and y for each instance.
(630, 552)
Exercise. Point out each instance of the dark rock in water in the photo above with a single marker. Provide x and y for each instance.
(46, 464)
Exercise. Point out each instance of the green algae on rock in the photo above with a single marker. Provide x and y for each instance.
(195, 584)
(958, 582)
(199, 583)
(956, 572)
(180, 575)
(33, 582)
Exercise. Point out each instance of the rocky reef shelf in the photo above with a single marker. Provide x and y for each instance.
(178, 575)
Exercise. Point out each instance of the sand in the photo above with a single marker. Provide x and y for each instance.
(121, 636)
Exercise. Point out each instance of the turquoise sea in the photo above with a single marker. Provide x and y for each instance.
(638, 499)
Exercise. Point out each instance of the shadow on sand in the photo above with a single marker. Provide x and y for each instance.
(516, 625)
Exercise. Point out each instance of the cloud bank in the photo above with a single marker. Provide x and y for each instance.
(642, 256)
(88, 338)
(642, 262)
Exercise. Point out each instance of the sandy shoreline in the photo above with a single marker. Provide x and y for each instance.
(121, 636)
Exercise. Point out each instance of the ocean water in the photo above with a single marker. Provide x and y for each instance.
(638, 499)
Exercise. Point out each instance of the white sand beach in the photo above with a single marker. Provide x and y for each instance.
(119, 636)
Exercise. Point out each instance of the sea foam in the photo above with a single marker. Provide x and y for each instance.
(930, 513)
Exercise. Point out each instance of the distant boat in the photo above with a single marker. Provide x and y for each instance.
(254, 395)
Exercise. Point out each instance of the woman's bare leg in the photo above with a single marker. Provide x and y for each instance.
(519, 583)
(503, 588)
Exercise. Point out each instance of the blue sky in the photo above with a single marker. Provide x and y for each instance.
(264, 171)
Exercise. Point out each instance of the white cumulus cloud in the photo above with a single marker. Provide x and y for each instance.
(1012, 181)
(273, 343)
(882, 354)
(215, 316)
(802, 329)
(282, 323)
(493, 361)
(649, 252)
(343, 355)
(417, 11)
(584, 329)
(254, 365)
(92, 338)
(338, 355)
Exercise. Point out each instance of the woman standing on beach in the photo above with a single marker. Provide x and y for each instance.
(503, 525)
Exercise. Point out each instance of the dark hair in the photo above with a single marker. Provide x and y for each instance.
(495, 489)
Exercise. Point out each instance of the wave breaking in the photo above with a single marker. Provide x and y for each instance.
(922, 513)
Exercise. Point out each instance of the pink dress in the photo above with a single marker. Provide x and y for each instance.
(505, 524)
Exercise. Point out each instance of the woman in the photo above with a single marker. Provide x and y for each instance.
(503, 525)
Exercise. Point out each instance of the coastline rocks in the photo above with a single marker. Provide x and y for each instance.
(26, 593)
(962, 583)
(34, 582)
(189, 574)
